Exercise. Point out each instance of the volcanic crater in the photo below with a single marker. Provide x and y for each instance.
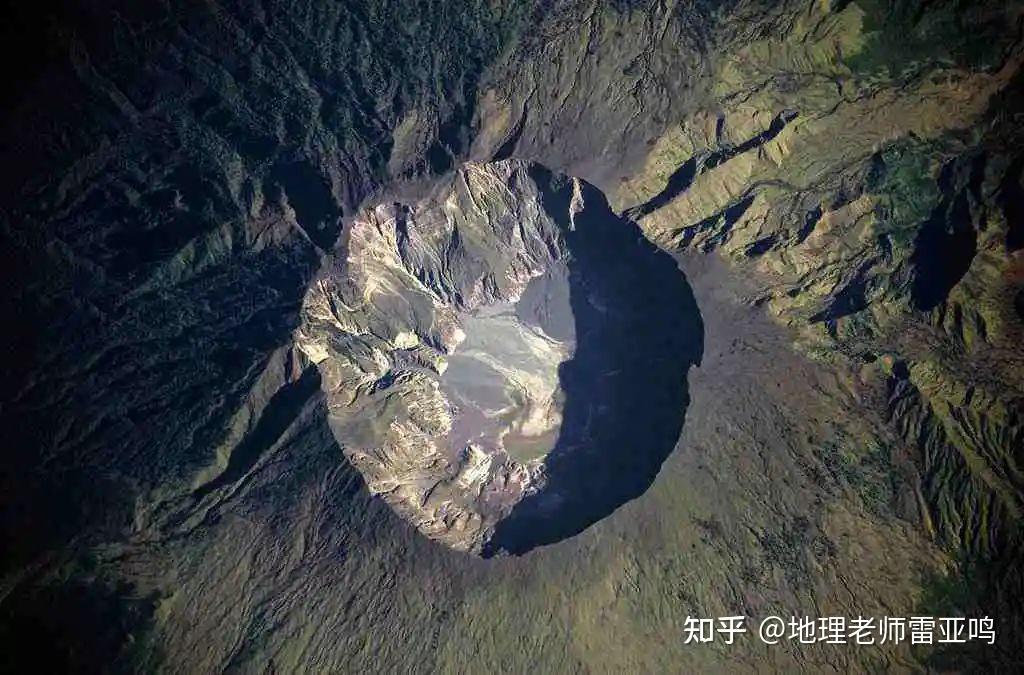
(505, 361)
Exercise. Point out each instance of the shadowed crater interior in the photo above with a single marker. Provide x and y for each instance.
(638, 331)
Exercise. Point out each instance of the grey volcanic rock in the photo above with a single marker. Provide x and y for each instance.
(446, 334)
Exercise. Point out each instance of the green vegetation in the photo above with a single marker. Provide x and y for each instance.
(903, 178)
(901, 37)
(947, 595)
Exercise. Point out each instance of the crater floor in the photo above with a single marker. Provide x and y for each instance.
(503, 379)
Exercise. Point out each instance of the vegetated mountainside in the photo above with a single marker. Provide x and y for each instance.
(841, 181)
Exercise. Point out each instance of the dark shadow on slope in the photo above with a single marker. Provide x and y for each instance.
(1011, 199)
(278, 415)
(850, 299)
(948, 240)
(682, 178)
(638, 331)
(309, 195)
(75, 627)
(508, 148)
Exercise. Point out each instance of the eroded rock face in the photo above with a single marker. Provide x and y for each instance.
(479, 350)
